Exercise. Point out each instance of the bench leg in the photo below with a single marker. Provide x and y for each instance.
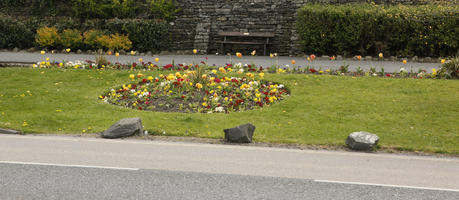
(264, 49)
(222, 48)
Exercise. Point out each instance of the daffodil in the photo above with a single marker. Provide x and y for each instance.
(132, 76)
(42, 52)
(261, 75)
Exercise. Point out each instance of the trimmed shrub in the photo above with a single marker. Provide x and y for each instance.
(47, 37)
(114, 42)
(71, 38)
(367, 29)
(450, 69)
(15, 33)
(90, 38)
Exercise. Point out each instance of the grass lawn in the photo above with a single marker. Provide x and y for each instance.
(407, 114)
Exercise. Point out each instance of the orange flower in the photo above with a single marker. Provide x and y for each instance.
(381, 55)
(359, 57)
(404, 62)
(313, 57)
(109, 53)
(293, 62)
(239, 55)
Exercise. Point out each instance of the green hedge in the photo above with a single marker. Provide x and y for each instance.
(146, 35)
(367, 29)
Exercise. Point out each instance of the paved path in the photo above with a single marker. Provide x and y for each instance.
(389, 66)
(33, 164)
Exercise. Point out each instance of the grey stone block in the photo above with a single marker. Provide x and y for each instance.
(9, 131)
(124, 128)
(362, 141)
(240, 134)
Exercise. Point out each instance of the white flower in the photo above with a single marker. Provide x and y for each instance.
(219, 109)
(402, 69)
(374, 74)
(238, 65)
(132, 91)
(241, 70)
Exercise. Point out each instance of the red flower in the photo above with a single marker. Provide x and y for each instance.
(144, 80)
(217, 80)
(388, 75)
(312, 70)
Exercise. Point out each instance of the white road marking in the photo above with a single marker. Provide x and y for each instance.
(386, 185)
(65, 165)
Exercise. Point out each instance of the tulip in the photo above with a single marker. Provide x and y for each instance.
(239, 55)
(195, 51)
(313, 57)
(156, 59)
(117, 54)
(404, 62)
(293, 62)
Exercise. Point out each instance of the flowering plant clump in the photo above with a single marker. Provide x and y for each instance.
(208, 93)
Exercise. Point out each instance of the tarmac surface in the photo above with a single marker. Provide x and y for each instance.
(65, 167)
(219, 60)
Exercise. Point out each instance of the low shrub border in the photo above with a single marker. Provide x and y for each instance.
(368, 29)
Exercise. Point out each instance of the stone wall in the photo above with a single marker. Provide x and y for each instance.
(199, 21)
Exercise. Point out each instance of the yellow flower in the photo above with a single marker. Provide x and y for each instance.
(140, 60)
(250, 75)
(42, 52)
(328, 70)
(156, 59)
(271, 55)
(443, 61)
(254, 52)
(204, 104)
(170, 77)
(198, 85)
(434, 71)
(381, 55)
(191, 84)
(204, 76)
(261, 75)
(195, 51)
(178, 75)
(222, 70)
(68, 50)
(404, 62)
(139, 75)
(25, 124)
(132, 52)
(239, 55)
(61, 64)
(131, 76)
(117, 54)
(34, 66)
(150, 78)
(214, 71)
(321, 72)
(47, 59)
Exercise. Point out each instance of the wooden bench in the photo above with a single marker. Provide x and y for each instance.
(255, 38)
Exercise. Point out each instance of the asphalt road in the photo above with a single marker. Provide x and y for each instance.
(49, 167)
(389, 66)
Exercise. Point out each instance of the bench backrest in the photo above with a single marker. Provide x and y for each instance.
(246, 34)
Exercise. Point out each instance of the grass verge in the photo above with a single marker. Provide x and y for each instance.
(407, 114)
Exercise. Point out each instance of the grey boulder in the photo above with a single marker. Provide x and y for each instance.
(240, 134)
(124, 128)
(362, 141)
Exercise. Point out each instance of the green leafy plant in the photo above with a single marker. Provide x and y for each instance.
(90, 38)
(450, 69)
(71, 38)
(47, 37)
(163, 9)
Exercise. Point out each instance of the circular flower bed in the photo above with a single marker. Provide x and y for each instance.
(197, 91)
